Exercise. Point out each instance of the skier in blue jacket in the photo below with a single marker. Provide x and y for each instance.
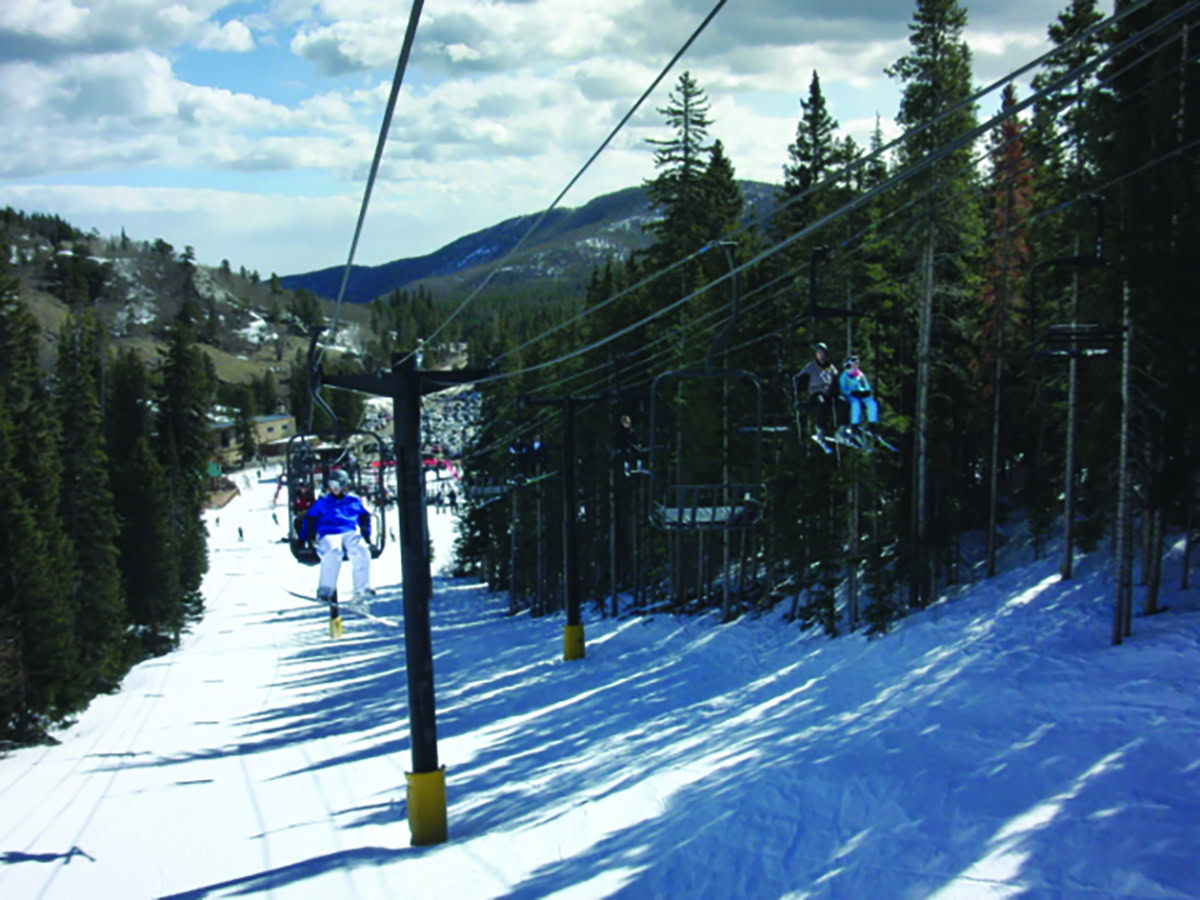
(856, 388)
(341, 523)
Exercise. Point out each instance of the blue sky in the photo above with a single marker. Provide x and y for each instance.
(246, 129)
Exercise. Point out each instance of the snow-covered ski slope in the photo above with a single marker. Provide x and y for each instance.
(993, 746)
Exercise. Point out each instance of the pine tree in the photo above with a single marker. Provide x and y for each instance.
(145, 543)
(149, 542)
(244, 423)
(37, 564)
(1064, 140)
(812, 157)
(1002, 298)
(13, 699)
(88, 511)
(723, 205)
(936, 74)
(265, 391)
(677, 191)
(183, 447)
(1154, 83)
(724, 200)
(128, 410)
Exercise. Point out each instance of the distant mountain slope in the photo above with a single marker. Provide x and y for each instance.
(568, 243)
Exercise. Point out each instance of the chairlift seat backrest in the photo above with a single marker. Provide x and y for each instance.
(736, 497)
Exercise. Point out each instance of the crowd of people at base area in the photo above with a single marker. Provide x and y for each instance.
(449, 420)
(854, 395)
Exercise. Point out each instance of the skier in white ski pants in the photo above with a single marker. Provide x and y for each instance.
(342, 523)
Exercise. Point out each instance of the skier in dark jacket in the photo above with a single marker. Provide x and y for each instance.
(341, 524)
(819, 374)
(629, 448)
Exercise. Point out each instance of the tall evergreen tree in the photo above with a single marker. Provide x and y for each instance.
(936, 75)
(149, 541)
(244, 423)
(812, 157)
(1157, 205)
(1002, 299)
(678, 191)
(146, 543)
(88, 511)
(13, 699)
(183, 447)
(266, 394)
(724, 198)
(1064, 143)
(37, 565)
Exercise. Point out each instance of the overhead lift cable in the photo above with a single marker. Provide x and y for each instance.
(702, 332)
(880, 153)
(914, 169)
(520, 243)
(401, 64)
(961, 141)
(674, 340)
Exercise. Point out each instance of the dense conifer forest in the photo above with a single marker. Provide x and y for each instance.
(1010, 275)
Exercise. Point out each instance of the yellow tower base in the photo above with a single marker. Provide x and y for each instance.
(427, 807)
(573, 642)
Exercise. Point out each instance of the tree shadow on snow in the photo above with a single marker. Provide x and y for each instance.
(672, 761)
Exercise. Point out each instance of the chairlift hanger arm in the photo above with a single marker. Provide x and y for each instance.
(735, 287)
(316, 380)
(818, 255)
(387, 384)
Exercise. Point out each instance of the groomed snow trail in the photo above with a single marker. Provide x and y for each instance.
(994, 746)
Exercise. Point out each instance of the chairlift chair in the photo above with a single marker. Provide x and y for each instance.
(311, 457)
(688, 491)
(692, 492)
(1079, 340)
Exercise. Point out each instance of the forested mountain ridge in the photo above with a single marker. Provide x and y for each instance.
(566, 246)
(247, 323)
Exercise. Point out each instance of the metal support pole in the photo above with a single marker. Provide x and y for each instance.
(573, 645)
(405, 385)
(426, 782)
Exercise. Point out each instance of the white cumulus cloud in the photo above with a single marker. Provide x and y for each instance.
(233, 37)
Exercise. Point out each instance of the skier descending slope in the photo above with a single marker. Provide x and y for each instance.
(341, 522)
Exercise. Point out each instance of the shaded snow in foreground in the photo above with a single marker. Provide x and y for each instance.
(995, 745)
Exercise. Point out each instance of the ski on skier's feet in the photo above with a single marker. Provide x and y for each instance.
(850, 439)
(873, 437)
(823, 443)
(354, 606)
